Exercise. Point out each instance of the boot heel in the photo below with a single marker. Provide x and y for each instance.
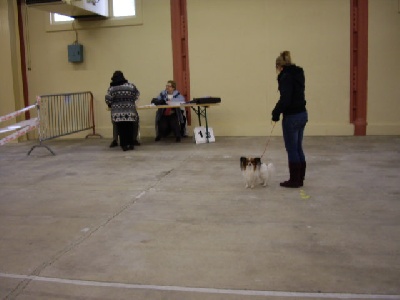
(295, 180)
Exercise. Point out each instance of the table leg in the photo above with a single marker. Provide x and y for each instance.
(205, 118)
(199, 112)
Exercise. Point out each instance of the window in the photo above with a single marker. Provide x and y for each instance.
(123, 8)
(61, 18)
(122, 13)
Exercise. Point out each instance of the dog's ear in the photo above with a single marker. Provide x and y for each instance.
(243, 161)
(257, 161)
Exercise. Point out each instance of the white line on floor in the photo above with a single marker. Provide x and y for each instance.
(140, 195)
(200, 290)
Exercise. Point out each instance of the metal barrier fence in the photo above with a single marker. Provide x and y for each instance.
(64, 114)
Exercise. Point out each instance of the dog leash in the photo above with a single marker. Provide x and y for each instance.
(269, 138)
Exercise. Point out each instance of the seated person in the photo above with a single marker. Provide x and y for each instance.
(169, 119)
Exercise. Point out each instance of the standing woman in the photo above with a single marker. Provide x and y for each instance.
(292, 105)
(121, 97)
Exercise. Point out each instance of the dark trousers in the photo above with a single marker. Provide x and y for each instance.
(135, 131)
(167, 124)
(293, 131)
(115, 132)
(126, 133)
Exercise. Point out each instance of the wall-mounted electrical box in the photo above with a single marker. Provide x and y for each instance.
(75, 53)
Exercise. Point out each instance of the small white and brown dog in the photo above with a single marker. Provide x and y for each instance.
(254, 171)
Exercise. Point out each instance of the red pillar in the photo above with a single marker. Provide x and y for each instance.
(359, 66)
(180, 49)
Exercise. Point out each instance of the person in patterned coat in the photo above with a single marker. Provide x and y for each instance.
(121, 97)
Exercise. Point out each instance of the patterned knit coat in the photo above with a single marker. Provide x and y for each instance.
(121, 99)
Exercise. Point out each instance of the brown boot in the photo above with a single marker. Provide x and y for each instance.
(295, 180)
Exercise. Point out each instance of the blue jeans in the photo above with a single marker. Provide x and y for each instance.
(293, 131)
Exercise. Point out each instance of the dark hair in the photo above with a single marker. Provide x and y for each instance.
(118, 79)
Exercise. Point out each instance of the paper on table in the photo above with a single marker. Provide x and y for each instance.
(174, 103)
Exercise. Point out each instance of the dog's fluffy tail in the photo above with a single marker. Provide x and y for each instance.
(271, 168)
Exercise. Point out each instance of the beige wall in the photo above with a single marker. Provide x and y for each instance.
(384, 68)
(142, 52)
(232, 49)
(10, 74)
(6, 79)
(232, 54)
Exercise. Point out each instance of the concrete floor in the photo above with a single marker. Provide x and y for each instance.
(174, 221)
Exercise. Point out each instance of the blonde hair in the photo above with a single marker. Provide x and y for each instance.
(284, 59)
